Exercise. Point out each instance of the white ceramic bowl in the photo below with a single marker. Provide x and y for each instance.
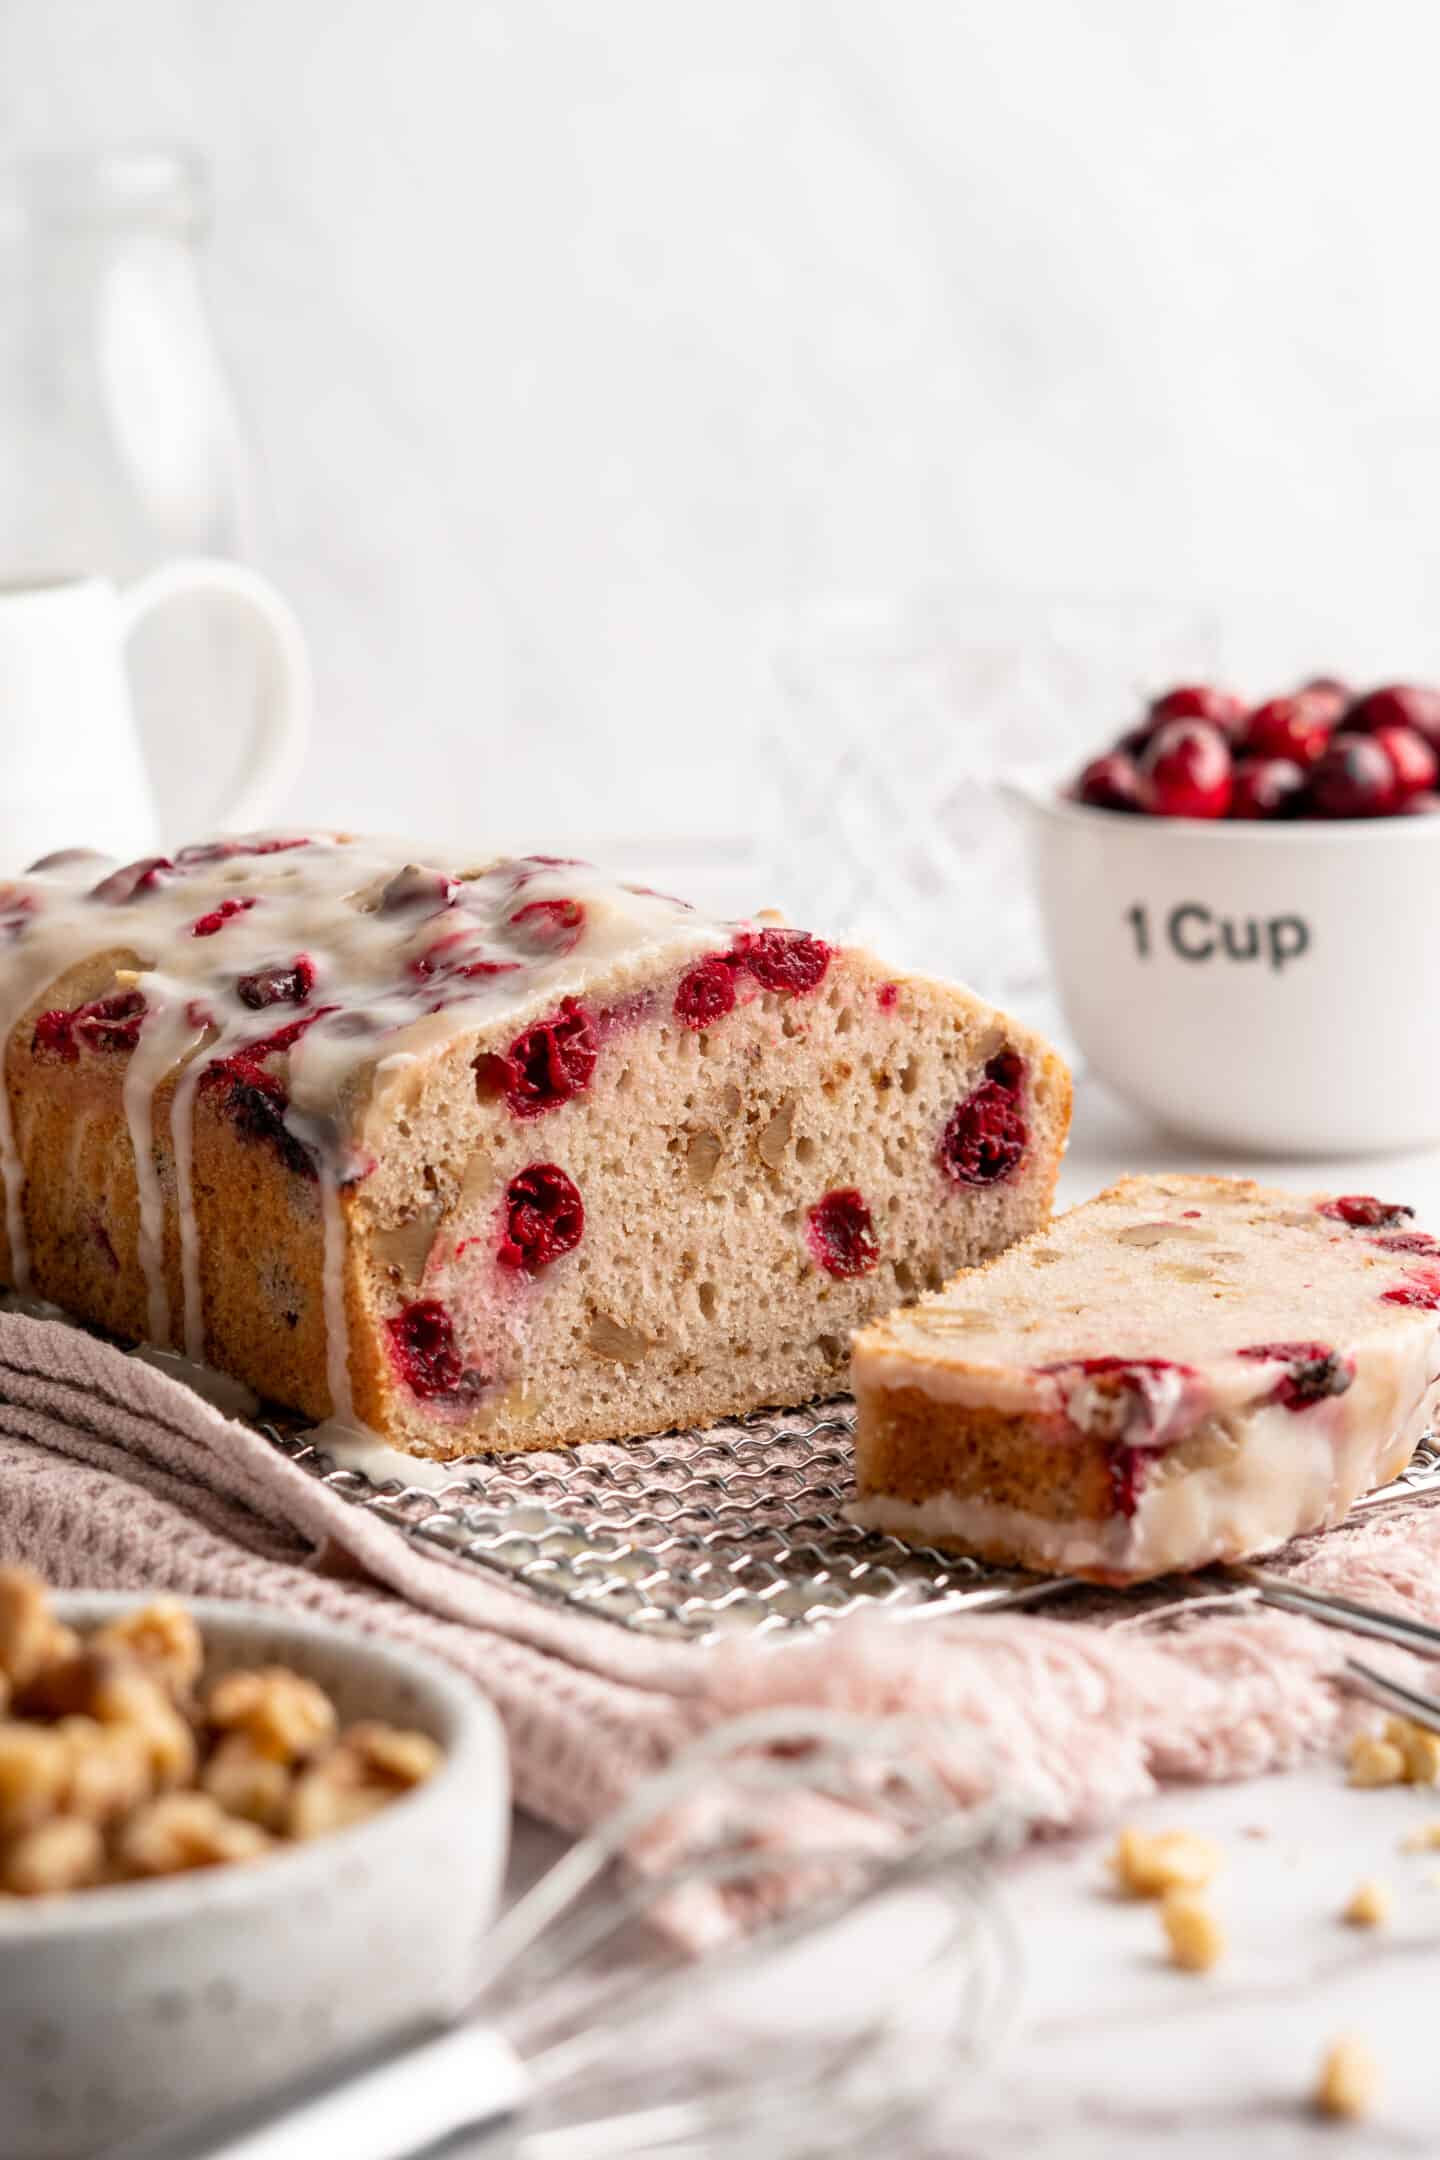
(125, 2008)
(1272, 988)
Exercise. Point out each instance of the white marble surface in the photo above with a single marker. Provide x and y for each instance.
(1114, 2054)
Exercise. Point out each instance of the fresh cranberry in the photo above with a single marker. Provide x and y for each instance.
(449, 956)
(1362, 1211)
(1125, 1469)
(1128, 1402)
(887, 997)
(1297, 728)
(1412, 760)
(214, 851)
(1315, 1371)
(1410, 1241)
(1353, 779)
(544, 1218)
(256, 1103)
(416, 888)
(108, 1023)
(256, 1100)
(635, 1009)
(134, 879)
(207, 925)
(278, 985)
(1267, 787)
(1198, 701)
(790, 960)
(985, 1136)
(1398, 705)
(840, 1232)
(422, 1344)
(1422, 1289)
(1421, 805)
(1134, 1373)
(55, 1035)
(1110, 783)
(546, 1066)
(706, 991)
(1185, 771)
(1327, 695)
(283, 1038)
(1127, 1395)
(550, 927)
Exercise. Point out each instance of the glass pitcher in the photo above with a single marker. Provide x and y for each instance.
(120, 446)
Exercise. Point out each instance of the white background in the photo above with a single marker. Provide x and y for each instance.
(586, 346)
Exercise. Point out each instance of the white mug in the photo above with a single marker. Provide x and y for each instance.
(71, 769)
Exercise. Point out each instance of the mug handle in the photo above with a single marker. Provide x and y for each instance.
(282, 723)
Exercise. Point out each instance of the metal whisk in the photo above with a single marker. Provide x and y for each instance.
(777, 1837)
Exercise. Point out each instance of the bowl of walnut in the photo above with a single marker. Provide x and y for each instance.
(233, 1844)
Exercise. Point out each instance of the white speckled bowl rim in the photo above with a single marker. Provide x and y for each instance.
(468, 1728)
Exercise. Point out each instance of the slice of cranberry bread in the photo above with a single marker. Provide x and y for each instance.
(498, 1156)
(1184, 1369)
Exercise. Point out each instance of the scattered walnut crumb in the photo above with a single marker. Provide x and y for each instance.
(1349, 2079)
(1425, 1839)
(1149, 1863)
(1196, 1938)
(1369, 1904)
(1420, 1748)
(1375, 1762)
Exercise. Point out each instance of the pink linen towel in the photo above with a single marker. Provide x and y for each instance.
(115, 1475)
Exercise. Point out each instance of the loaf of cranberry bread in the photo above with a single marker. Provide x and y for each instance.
(499, 1156)
(1184, 1369)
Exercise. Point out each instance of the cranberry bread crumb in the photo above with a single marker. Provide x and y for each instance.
(492, 1157)
(1184, 1369)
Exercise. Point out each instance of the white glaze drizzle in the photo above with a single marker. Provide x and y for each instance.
(166, 1038)
(337, 1326)
(182, 1140)
(502, 944)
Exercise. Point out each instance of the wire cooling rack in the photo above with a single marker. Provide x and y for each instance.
(700, 1535)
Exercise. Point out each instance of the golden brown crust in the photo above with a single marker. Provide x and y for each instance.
(264, 1321)
(916, 1447)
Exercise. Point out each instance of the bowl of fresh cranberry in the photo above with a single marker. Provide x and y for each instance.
(1242, 905)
